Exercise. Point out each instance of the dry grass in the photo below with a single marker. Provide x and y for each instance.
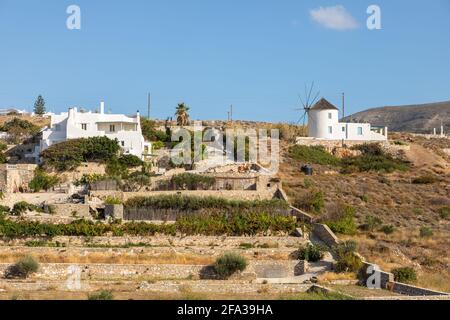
(331, 276)
(111, 258)
(40, 122)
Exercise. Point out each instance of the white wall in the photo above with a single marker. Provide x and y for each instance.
(74, 125)
(324, 124)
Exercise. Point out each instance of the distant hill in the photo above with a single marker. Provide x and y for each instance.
(420, 118)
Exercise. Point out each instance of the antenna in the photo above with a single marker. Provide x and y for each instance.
(231, 112)
(149, 105)
(343, 105)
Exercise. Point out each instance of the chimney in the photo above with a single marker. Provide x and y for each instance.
(102, 107)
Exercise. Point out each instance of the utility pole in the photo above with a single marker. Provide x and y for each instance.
(231, 112)
(343, 105)
(149, 105)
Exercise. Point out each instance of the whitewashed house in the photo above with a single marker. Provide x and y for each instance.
(323, 123)
(74, 124)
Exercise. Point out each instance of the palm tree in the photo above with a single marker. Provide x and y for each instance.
(182, 114)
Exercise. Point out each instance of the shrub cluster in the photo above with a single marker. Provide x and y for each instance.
(69, 154)
(347, 260)
(429, 179)
(405, 275)
(219, 224)
(101, 295)
(22, 269)
(313, 154)
(193, 203)
(313, 201)
(228, 264)
(19, 129)
(311, 253)
(42, 181)
(343, 220)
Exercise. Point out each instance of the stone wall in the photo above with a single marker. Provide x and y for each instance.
(228, 194)
(325, 234)
(410, 290)
(14, 178)
(172, 241)
(72, 210)
(256, 268)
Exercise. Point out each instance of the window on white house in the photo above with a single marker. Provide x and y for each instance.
(112, 128)
(84, 126)
(360, 131)
(123, 143)
(330, 115)
(343, 129)
(330, 130)
(57, 127)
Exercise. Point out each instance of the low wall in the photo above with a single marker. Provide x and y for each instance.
(275, 242)
(228, 194)
(256, 268)
(301, 215)
(410, 290)
(324, 233)
(72, 210)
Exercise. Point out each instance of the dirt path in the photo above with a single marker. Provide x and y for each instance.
(425, 158)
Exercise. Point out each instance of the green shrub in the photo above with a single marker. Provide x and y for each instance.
(193, 203)
(4, 209)
(311, 253)
(405, 275)
(21, 207)
(347, 260)
(130, 161)
(112, 200)
(343, 220)
(425, 180)
(190, 181)
(388, 229)
(69, 154)
(42, 181)
(236, 224)
(378, 163)
(150, 132)
(19, 130)
(314, 155)
(426, 232)
(313, 201)
(228, 264)
(23, 268)
(102, 295)
(308, 183)
(371, 223)
(444, 212)
(373, 158)
(114, 168)
(158, 145)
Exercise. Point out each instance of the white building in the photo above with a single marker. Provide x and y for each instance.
(74, 124)
(323, 123)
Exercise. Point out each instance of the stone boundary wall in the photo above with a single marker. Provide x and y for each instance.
(331, 144)
(170, 241)
(72, 210)
(228, 194)
(257, 268)
(301, 215)
(410, 290)
(325, 234)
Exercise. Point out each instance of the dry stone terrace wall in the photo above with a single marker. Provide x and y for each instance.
(227, 194)
(259, 268)
(15, 177)
(168, 241)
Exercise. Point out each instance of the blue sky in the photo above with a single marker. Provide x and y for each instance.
(254, 54)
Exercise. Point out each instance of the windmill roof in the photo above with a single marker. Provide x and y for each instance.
(324, 104)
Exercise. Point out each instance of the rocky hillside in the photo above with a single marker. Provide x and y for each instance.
(413, 118)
